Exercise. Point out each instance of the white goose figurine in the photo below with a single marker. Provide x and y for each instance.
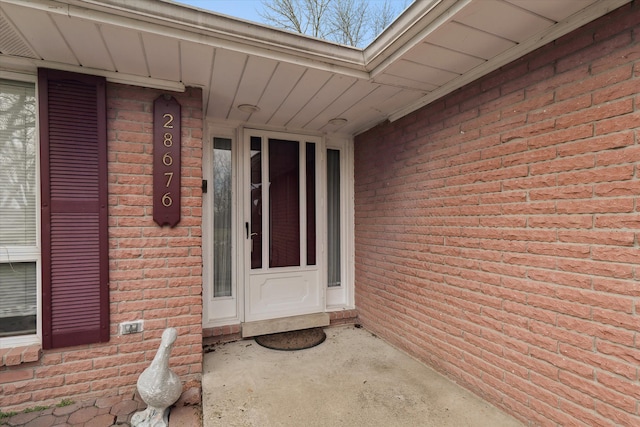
(159, 386)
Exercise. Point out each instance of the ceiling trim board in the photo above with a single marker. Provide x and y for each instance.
(30, 66)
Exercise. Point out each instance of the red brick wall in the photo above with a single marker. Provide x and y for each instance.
(155, 273)
(497, 230)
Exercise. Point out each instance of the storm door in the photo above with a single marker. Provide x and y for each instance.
(281, 228)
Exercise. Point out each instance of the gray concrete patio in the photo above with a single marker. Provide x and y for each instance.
(352, 379)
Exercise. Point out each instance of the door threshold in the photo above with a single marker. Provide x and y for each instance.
(285, 324)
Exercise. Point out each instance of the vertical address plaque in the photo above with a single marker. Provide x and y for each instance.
(166, 161)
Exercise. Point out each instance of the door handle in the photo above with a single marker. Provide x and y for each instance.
(246, 227)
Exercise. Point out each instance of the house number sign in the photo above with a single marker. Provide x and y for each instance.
(166, 161)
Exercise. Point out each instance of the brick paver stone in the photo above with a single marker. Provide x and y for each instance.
(108, 402)
(125, 407)
(66, 410)
(184, 416)
(22, 418)
(83, 415)
(104, 420)
(43, 421)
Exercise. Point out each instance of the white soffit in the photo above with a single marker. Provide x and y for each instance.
(558, 18)
(299, 83)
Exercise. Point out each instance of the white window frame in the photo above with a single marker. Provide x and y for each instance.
(16, 254)
(219, 311)
(342, 297)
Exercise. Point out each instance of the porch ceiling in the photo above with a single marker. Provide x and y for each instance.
(299, 83)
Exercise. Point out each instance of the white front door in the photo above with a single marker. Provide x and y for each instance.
(282, 226)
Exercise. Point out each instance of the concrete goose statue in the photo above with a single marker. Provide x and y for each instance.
(159, 386)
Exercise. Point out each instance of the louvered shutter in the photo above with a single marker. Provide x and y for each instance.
(73, 157)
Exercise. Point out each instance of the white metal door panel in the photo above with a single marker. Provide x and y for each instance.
(279, 294)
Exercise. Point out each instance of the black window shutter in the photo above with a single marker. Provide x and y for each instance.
(73, 164)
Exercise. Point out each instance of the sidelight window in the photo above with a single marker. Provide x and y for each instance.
(333, 217)
(222, 217)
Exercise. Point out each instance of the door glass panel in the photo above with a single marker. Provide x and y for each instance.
(222, 217)
(256, 202)
(333, 216)
(311, 203)
(284, 203)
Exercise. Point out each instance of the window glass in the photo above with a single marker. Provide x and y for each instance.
(333, 217)
(222, 217)
(256, 202)
(18, 302)
(311, 203)
(17, 164)
(284, 203)
(18, 190)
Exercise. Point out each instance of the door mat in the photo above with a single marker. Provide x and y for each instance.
(293, 340)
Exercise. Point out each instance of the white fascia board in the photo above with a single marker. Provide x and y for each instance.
(208, 28)
(19, 65)
(418, 20)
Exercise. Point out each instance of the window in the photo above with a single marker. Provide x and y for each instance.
(222, 203)
(53, 211)
(333, 218)
(310, 169)
(340, 224)
(19, 243)
(220, 289)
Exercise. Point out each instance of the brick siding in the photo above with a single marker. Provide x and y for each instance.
(497, 230)
(155, 273)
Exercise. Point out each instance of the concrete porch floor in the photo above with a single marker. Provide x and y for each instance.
(352, 379)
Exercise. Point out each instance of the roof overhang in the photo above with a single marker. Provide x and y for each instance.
(298, 82)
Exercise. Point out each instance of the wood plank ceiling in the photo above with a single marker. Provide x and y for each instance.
(297, 82)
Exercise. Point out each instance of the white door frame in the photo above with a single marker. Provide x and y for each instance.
(230, 310)
(217, 311)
